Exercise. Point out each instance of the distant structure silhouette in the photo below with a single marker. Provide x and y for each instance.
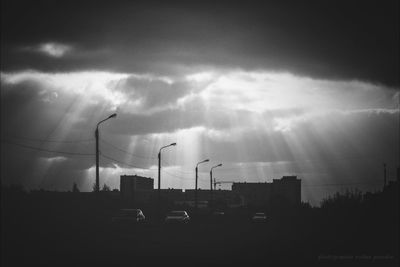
(134, 188)
(75, 188)
(287, 189)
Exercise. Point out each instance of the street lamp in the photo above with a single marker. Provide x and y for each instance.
(97, 188)
(211, 189)
(195, 191)
(159, 177)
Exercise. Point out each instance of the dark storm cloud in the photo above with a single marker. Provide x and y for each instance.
(23, 109)
(329, 39)
(154, 45)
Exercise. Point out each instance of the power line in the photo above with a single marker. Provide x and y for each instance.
(189, 179)
(52, 141)
(184, 171)
(137, 167)
(124, 151)
(184, 178)
(46, 150)
(133, 166)
(177, 176)
(124, 163)
(273, 162)
(296, 161)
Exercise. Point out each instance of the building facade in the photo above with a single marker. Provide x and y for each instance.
(135, 189)
(286, 190)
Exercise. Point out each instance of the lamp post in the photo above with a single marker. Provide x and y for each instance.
(211, 188)
(97, 187)
(159, 178)
(195, 191)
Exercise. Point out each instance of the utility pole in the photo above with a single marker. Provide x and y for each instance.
(159, 188)
(97, 188)
(159, 182)
(195, 191)
(398, 138)
(96, 134)
(211, 189)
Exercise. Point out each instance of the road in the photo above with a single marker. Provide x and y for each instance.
(53, 243)
(44, 232)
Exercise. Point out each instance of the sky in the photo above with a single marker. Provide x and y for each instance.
(268, 89)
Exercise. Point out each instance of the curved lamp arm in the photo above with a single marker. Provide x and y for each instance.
(173, 144)
(109, 117)
(206, 160)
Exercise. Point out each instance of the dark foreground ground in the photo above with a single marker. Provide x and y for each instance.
(45, 233)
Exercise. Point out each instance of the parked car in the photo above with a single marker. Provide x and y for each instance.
(259, 217)
(177, 216)
(129, 216)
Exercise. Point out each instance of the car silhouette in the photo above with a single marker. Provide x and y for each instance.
(218, 217)
(129, 216)
(259, 217)
(177, 217)
(218, 213)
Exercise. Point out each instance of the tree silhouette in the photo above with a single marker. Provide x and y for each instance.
(348, 199)
(75, 188)
(106, 188)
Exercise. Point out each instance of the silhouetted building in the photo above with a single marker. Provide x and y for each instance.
(170, 195)
(253, 193)
(285, 190)
(223, 197)
(135, 189)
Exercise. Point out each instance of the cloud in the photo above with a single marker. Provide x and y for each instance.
(222, 100)
(257, 119)
(287, 124)
(55, 159)
(50, 49)
(280, 89)
(92, 85)
(151, 94)
(133, 93)
(54, 49)
(160, 39)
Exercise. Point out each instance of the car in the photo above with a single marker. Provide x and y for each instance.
(218, 216)
(177, 216)
(259, 217)
(129, 216)
(218, 213)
